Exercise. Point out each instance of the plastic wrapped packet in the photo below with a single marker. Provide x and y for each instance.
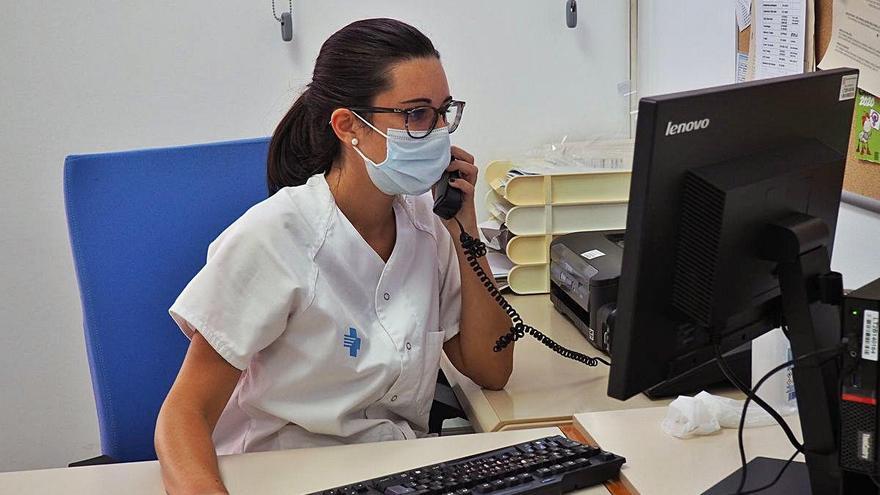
(573, 156)
(704, 414)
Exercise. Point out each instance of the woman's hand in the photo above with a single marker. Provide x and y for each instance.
(463, 163)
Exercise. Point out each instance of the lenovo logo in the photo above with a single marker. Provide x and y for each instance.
(686, 126)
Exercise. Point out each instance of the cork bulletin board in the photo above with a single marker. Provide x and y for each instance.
(862, 178)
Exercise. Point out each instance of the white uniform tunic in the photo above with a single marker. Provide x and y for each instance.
(336, 345)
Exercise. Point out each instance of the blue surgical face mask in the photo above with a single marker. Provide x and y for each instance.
(412, 166)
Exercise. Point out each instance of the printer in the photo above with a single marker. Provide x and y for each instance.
(584, 275)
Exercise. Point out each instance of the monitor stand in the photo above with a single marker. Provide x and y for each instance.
(812, 296)
(761, 472)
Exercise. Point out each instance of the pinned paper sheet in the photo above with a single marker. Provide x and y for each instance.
(779, 37)
(855, 41)
(742, 66)
(743, 14)
(866, 127)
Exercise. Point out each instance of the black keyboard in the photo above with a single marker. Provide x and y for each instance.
(550, 465)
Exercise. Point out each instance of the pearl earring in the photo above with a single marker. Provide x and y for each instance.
(354, 141)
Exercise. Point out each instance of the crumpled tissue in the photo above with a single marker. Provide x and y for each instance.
(705, 413)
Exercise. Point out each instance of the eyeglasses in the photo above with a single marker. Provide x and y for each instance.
(420, 121)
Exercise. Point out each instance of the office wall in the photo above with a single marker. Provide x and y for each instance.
(105, 75)
(685, 45)
(857, 246)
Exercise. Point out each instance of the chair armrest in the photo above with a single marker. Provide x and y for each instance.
(445, 406)
(94, 461)
(444, 395)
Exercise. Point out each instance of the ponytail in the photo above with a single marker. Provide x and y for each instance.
(302, 145)
(352, 68)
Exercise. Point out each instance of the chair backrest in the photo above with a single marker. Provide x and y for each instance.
(140, 223)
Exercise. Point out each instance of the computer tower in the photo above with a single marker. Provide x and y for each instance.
(859, 391)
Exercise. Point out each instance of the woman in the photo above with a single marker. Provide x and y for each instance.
(320, 315)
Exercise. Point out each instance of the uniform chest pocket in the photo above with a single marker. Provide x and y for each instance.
(430, 366)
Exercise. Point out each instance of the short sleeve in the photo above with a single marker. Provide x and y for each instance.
(241, 300)
(450, 284)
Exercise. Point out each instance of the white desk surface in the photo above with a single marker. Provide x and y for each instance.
(657, 463)
(545, 389)
(287, 472)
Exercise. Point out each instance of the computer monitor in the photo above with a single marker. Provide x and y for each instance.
(733, 206)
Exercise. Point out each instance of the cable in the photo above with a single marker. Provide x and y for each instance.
(741, 427)
(742, 419)
(775, 480)
(473, 249)
(728, 373)
(742, 422)
(742, 452)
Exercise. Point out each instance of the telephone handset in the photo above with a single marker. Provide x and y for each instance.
(447, 199)
(447, 202)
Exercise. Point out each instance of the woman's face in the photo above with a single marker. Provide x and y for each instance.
(416, 82)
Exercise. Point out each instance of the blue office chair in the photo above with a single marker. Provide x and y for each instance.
(140, 223)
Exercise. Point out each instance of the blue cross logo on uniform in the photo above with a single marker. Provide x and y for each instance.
(351, 342)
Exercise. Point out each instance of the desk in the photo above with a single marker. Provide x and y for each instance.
(657, 463)
(288, 472)
(544, 389)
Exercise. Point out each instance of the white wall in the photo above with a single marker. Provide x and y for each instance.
(106, 75)
(856, 251)
(685, 45)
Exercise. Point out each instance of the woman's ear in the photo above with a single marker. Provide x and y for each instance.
(344, 124)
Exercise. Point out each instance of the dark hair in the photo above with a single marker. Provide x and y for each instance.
(352, 68)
